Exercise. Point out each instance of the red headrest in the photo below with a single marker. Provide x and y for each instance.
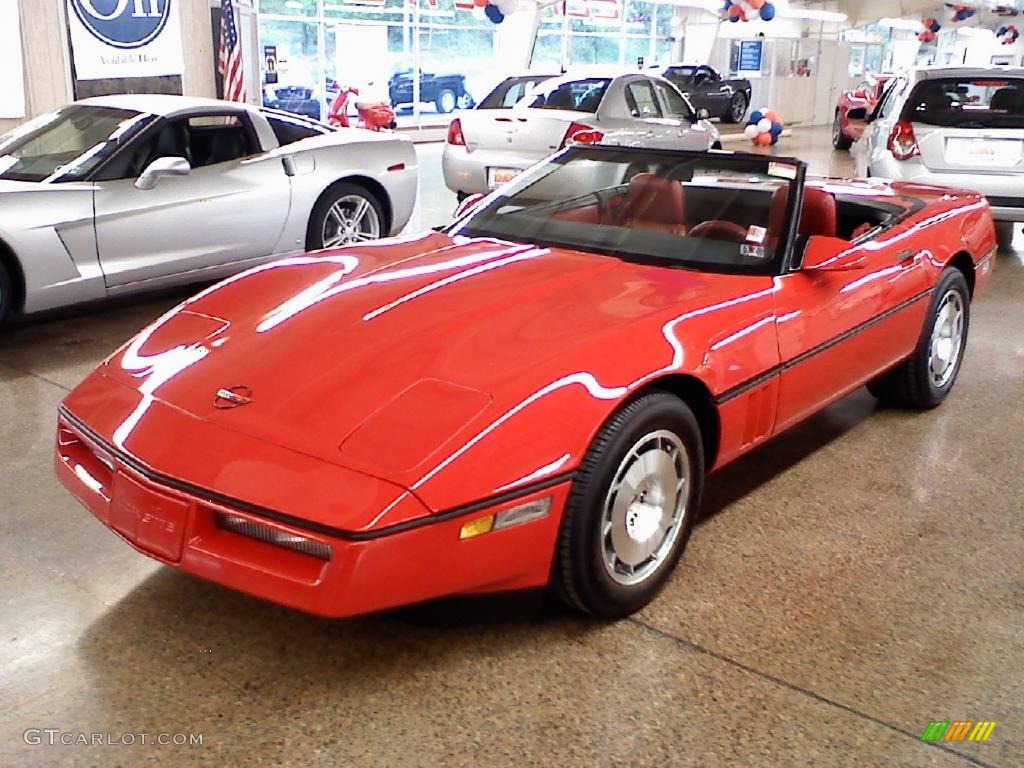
(653, 200)
(819, 214)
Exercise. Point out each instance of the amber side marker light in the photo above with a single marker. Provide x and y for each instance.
(524, 513)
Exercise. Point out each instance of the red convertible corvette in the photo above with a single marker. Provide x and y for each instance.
(533, 395)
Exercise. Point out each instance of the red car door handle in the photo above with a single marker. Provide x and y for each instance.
(906, 255)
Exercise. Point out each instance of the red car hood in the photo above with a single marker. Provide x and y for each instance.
(377, 358)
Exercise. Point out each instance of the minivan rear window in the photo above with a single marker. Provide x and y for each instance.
(968, 102)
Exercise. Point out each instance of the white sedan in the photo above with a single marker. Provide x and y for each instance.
(488, 147)
(120, 194)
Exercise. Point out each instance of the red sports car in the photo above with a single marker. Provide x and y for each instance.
(531, 396)
(864, 97)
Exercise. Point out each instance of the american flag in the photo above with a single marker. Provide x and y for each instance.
(230, 60)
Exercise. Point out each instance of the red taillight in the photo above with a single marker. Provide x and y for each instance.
(455, 133)
(902, 141)
(581, 133)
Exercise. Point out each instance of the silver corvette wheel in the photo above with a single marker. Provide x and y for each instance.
(947, 339)
(351, 219)
(645, 507)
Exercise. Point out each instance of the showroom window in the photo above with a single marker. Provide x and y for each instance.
(434, 57)
(616, 32)
(423, 59)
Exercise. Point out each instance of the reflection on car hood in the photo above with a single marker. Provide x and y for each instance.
(389, 334)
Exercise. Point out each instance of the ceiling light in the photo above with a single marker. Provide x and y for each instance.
(908, 24)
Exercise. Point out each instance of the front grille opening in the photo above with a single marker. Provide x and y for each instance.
(245, 527)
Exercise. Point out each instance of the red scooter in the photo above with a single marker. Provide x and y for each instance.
(376, 116)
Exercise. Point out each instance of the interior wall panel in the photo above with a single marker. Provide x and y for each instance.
(44, 53)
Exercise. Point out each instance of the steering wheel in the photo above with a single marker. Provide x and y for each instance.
(717, 229)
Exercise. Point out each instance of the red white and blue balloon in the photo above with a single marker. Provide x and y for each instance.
(1008, 34)
(961, 12)
(764, 126)
(930, 31)
(495, 10)
(748, 10)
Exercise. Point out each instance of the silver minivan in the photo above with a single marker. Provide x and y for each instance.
(959, 127)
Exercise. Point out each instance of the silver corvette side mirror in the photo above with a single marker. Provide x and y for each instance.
(162, 166)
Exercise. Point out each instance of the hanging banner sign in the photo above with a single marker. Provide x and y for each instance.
(125, 38)
(12, 95)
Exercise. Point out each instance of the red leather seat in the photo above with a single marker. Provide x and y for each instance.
(653, 203)
(819, 216)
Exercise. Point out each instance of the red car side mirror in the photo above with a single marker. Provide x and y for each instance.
(832, 254)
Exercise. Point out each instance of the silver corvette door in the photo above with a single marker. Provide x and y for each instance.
(203, 199)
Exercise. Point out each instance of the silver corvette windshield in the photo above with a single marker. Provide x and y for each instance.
(68, 144)
(706, 211)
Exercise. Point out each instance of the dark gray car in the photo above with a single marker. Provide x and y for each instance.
(725, 98)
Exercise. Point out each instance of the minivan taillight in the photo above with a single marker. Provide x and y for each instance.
(581, 133)
(902, 141)
(455, 136)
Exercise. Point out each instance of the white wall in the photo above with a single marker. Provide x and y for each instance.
(44, 54)
(977, 51)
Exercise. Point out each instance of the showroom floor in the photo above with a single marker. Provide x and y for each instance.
(851, 581)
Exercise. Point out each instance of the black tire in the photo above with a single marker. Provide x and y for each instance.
(446, 101)
(1004, 234)
(339, 190)
(910, 384)
(6, 294)
(737, 109)
(580, 576)
(839, 139)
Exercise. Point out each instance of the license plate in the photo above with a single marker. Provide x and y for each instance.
(983, 152)
(151, 520)
(498, 176)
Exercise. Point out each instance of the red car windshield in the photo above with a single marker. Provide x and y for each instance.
(710, 212)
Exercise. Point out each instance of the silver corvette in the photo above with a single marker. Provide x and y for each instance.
(119, 194)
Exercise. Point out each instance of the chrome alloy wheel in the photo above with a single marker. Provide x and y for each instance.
(352, 219)
(739, 108)
(947, 341)
(837, 129)
(645, 507)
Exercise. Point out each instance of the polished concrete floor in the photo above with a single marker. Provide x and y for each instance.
(855, 579)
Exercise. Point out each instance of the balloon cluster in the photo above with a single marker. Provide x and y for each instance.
(930, 31)
(496, 10)
(1008, 34)
(961, 12)
(764, 127)
(748, 10)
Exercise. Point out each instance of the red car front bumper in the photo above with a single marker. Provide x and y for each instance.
(338, 574)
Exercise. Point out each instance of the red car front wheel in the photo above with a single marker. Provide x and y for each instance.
(631, 509)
